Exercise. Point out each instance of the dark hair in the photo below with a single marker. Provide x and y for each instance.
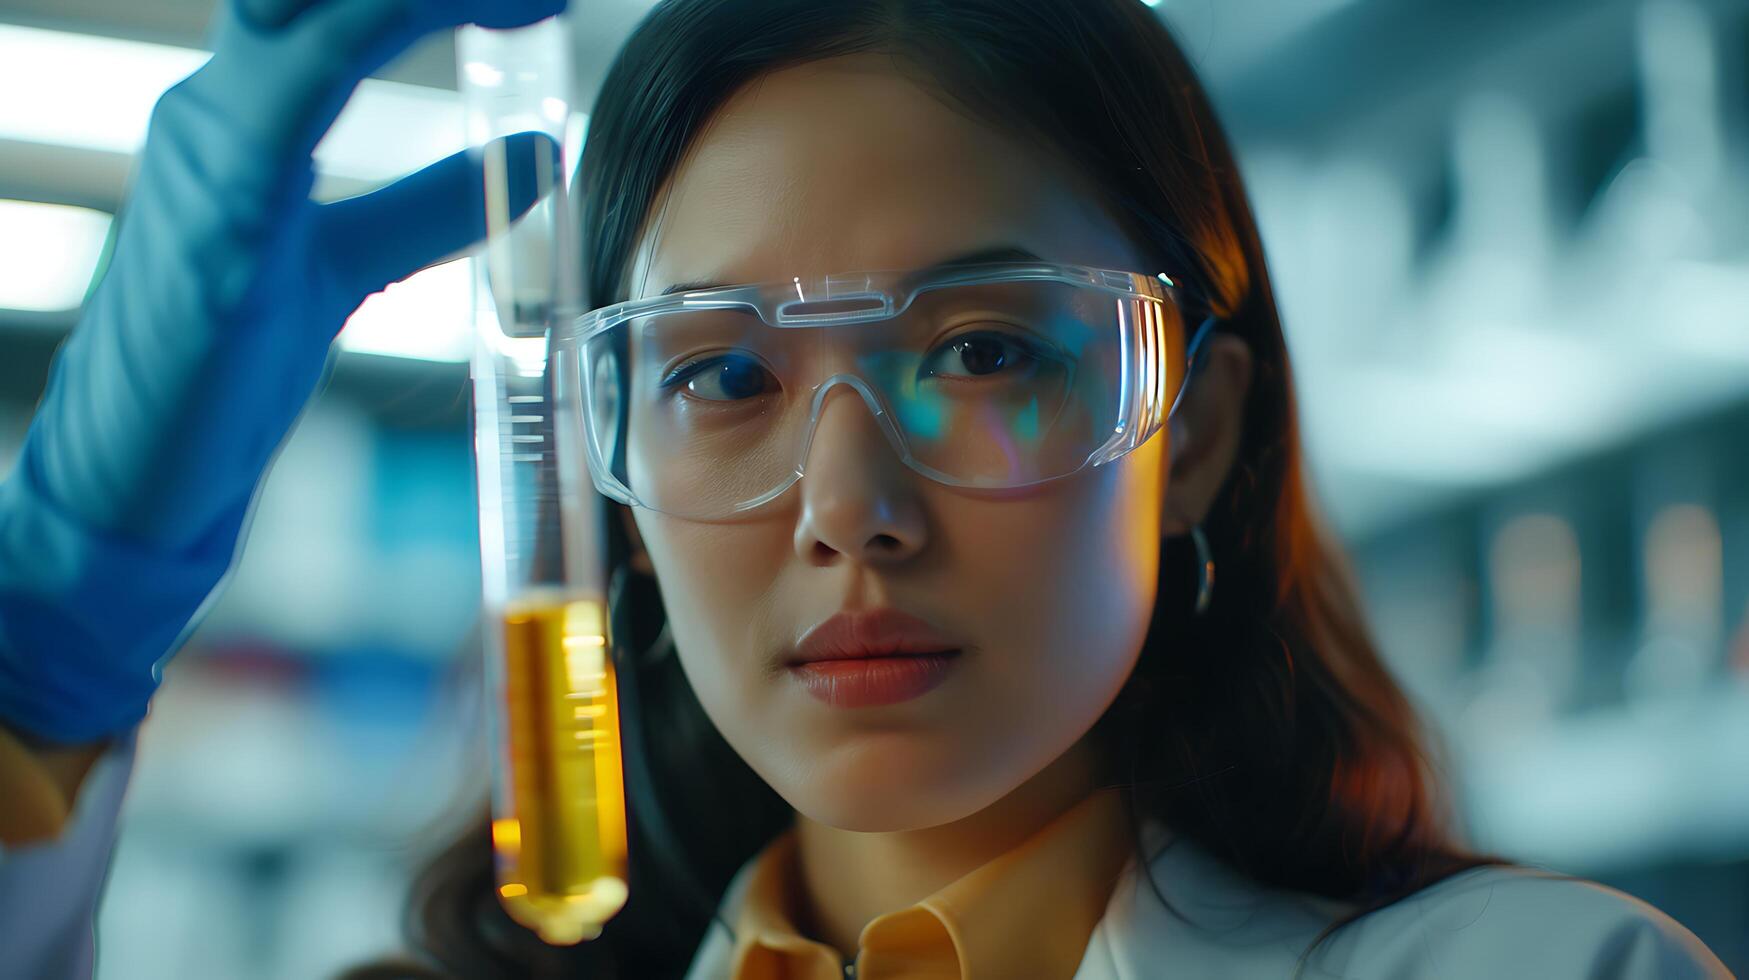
(1268, 730)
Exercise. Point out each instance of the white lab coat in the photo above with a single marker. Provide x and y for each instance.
(1486, 923)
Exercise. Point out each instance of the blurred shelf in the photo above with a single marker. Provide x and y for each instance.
(1619, 789)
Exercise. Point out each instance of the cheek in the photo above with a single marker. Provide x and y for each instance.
(1063, 584)
(717, 583)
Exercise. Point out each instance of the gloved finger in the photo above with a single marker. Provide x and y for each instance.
(362, 26)
(271, 13)
(488, 13)
(384, 236)
(356, 37)
(278, 13)
(286, 85)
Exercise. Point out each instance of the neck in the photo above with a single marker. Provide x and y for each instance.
(850, 877)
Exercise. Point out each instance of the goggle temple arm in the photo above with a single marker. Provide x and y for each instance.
(1142, 419)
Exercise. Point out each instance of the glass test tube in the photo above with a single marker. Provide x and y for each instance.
(558, 798)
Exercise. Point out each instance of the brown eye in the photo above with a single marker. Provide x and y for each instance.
(978, 355)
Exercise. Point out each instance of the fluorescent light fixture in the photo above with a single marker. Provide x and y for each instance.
(428, 316)
(97, 93)
(48, 253)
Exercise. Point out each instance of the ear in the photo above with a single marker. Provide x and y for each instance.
(1205, 432)
(640, 559)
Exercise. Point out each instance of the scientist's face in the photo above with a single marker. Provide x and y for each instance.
(844, 165)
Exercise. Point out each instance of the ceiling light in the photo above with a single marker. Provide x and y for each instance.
(97, 93)
(48, 253)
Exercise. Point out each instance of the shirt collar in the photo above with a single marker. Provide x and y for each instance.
(1027, 912)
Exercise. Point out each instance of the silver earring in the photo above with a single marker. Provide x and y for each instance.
(1205, 586)
(660, 649)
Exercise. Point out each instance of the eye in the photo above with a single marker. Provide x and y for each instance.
(980, 355)
(721, 378)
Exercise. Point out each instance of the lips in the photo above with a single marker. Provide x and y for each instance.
(884, 632)
(870, 682)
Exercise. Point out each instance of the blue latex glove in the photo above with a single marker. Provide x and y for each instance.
(201, 345)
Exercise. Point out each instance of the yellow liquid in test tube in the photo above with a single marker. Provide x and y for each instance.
(561, 848)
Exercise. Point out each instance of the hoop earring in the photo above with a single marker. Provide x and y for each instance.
(660, 649)
(1205, 586)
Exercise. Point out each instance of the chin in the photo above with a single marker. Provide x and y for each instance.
(891, 797)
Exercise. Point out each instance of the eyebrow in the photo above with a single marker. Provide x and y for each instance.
(995, 253)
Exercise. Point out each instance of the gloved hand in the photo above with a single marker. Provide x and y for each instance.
(201, 345)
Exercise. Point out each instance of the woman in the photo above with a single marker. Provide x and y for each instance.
(1093, 762)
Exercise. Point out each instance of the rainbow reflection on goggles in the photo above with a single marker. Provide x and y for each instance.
(1000, 375)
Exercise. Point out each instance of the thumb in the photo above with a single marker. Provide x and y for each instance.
(387, 235)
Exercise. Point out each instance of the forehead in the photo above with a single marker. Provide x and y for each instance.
(846, 164)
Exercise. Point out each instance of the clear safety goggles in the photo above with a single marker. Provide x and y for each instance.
(992, 376)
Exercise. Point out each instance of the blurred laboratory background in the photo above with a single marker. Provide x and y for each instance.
(1511, 242)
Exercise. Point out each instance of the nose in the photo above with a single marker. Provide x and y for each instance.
(858, 499)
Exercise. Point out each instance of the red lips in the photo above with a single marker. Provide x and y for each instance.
(884, 632)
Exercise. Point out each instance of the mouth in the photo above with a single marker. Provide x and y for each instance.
(868, 682)
(876, 634)
(872, 658)
(868, 659)
(863, 658)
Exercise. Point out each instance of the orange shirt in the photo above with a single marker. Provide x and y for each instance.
(1027, 913)
(37, 808)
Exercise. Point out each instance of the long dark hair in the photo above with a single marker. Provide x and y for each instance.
(1267, 730)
